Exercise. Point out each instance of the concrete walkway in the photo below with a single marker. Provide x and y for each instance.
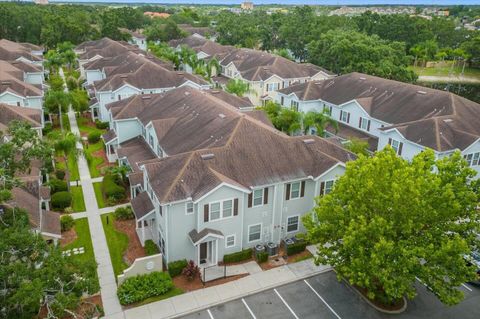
(101, 211)
(208, 297)
(106, 277)
(94, 180)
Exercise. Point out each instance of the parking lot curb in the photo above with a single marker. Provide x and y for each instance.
(249, 293)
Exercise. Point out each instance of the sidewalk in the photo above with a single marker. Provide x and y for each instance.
(208, 297)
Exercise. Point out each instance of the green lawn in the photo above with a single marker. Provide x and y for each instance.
(73, 168)
(117, 243)
(84, 127)
(97, 187)
(93, 161)
(445, 71)
(78, 203)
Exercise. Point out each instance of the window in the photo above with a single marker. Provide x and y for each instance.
(327, 109)
(326, 187)
(364, 124)
(292, 224)
(254, 232)
(282, 101)
(396, 145)
(294, 105)
(189, 208)
(159, 151)
(286, 84)
(150, 140)
(214, 211)
(257, 197)
(344, 116)
(295, 190)
(473, 159)
(272, 87)
(229, 241)
(227, 208)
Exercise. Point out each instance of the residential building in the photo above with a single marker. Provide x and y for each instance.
(408, 117)
(205, 32)
(26, 52)
(137, 38)
(161, 15)
(26, 72)
(10, 113)
(14, 91)
(246, 5)
(205, 49)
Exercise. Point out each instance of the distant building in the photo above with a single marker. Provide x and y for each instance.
(161, 15)
(247, 5)
(40, 1)
(443, 12)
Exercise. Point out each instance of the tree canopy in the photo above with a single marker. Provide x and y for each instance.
(389, 221)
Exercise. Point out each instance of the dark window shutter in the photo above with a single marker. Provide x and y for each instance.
(348, 118)
(368, 126)
(389, 141)
(250, 198)
(360, 122)
(287, 193)
(235, 207)
(322, 188)
(302, 189)
(205, 213)
(341, 113)
(400, 148)
(265, 196)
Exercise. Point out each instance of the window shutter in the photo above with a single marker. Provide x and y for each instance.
(265, 196)
(322, 188)
(348, 118)
(400, 148)
(302, 189)
(235, 207)
(287, 193)
(389, 141)
(360, 122)
(205, 213)
(368, 126)
(250, 197)
(341, 113)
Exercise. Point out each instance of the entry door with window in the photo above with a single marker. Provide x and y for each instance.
(203, 253)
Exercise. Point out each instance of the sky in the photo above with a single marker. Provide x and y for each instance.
(293, 2)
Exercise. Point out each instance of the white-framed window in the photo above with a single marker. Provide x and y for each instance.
(227, 208)
(294, 105)
(326, 187)
(150, 140)
(286, 84)
(220, 210)
(258, 197)
(473, 159)
(295, 190)
(229, 241)
(254, 232)
(344, 116)
(214, 211)
(364, 124)
(282, 100)
(397, 146)
(272, 87)
(292, 223)
(189, 208)
(159, 151)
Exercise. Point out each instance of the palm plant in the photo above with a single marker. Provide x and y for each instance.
(317, 120)
(238, 87)
(67, 144)
(57, 101)
(121, 171)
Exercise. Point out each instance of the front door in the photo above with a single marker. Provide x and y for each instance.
(203, 253)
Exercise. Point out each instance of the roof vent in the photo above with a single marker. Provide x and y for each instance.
(222, 116)
(422, 92)
(363, 78)
(309, 141)
(187, 93)
(146, 97)
(6, 82)
(124, 76)
(180, 73)
(214, 91)
(447, 120)
(207, 156)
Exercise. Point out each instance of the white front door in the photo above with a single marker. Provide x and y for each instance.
(207, 253)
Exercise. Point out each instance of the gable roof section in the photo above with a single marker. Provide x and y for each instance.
(9, 82)
(10, 113)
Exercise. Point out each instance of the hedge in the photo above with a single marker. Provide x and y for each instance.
(94, 137)
(60, 174)
(47, 128)
(66, 222)
(124, 213)
(175, 268)
(61, 200)
(238, 256)
(262, 257)
(297, 247)
(151, 248)
(139, 288)
(111, 189)
(57, 185)
(101, 125)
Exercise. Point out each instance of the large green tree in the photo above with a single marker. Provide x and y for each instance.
(389, 221)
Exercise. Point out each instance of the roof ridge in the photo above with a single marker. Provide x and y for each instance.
(437, 133)
(177, 178)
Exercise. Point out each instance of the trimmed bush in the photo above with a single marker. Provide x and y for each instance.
(94, 137)
(262, 257)
(191, 271)
(124, 213)
(57, 185)
(175, 268)
(66, 222)
(139, 288)
(111, 188)
(101, 125)
(61, 200)
(47, 128)
(296, 248)
(60, 174)
(151, 248)
(238, 256)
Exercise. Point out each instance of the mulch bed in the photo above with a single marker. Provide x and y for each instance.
(183, 283)
(397, 305)
(134, 249)
(68, 237)
(101, 153)
(282, 254)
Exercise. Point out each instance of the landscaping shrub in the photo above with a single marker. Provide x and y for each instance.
(94, 137)
(72, 83)
(191, 271)
(101, 125)
(61, 200)
(60, 174)
(296, 248)
(238, 256)
(67, 222)
(151, 248)
(124, 213)
(111, 189)
(57, 185)
(47, 128)
(262, 257)
(139, 288)
(175, 268)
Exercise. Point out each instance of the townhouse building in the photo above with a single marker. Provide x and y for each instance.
(211, 177)
(25, 52)
(136, 38)
(205, 49)
(408, 117)
(20, 88)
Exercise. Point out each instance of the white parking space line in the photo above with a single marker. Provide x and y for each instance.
(248, 308)
(323, 300)
(286, 304)
(466, 287)
(210, 314)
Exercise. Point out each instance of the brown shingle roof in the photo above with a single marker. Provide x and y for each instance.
(9, 81)
(109, 136)
(135, 150)
(105, 48)
(197, 236)
(112, 65)
(141, 205)
(10, 113)
(10, 51)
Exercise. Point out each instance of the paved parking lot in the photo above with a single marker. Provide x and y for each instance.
(322, 296)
